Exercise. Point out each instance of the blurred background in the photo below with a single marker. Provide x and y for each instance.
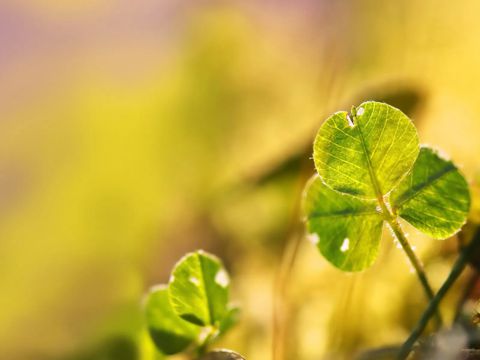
(134, 131)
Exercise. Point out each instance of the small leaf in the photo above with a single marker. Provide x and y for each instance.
(222, 355)
(433, 197)
(345, 229)
(367, 153)
(230, 320)
(199, 289)
(170, 333)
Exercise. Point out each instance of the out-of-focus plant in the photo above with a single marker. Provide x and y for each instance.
(193, 310)
(371, 171)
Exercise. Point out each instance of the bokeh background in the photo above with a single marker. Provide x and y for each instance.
(133, 131)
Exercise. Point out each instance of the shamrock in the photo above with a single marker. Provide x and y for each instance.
(372, 171)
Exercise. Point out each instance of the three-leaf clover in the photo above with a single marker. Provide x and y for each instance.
(371, 171)
(192, 311)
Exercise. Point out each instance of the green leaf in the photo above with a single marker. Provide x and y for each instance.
(373, 156)
(434, 197)
(199, 289)
(230, 320)
(346, 229)
(368, 152)
(170, 333)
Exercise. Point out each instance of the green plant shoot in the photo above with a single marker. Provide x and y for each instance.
(371, 171)
(192, 311)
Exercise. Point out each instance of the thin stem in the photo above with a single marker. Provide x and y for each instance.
(472, 282)
(391, 218)
(457, 269)
(203, 346)
(417, 265)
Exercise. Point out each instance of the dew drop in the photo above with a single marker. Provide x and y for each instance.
(345, 245)
(204, 333)
(397, 243)
(350, 121)
(194, 281)
(360, 111)
(387, 203)
(392, 233)
(314, 238)
(222, 279)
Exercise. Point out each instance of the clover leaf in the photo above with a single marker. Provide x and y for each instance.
(367, 152)
(199, 289)
(371, 171)
(345, 229)
(192, 311)
(170, 333)
(434, 196)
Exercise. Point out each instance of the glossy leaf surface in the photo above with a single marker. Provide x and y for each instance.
(345, 229)
(434, 197)
(199, 289)
(170, 333)
(368, 152)
(230, 320)
(371, 170)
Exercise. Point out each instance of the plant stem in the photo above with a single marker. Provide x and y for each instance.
(472, 282)
(391, 218)
(417, 265)
(203, 346)
(457, 269)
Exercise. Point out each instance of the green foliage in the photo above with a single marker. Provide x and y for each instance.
(346, 229)
(433, 197)
(169, 332)
(367, 160)
(191, 311)
(199, 289)
(230, 319)
(365, 153)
